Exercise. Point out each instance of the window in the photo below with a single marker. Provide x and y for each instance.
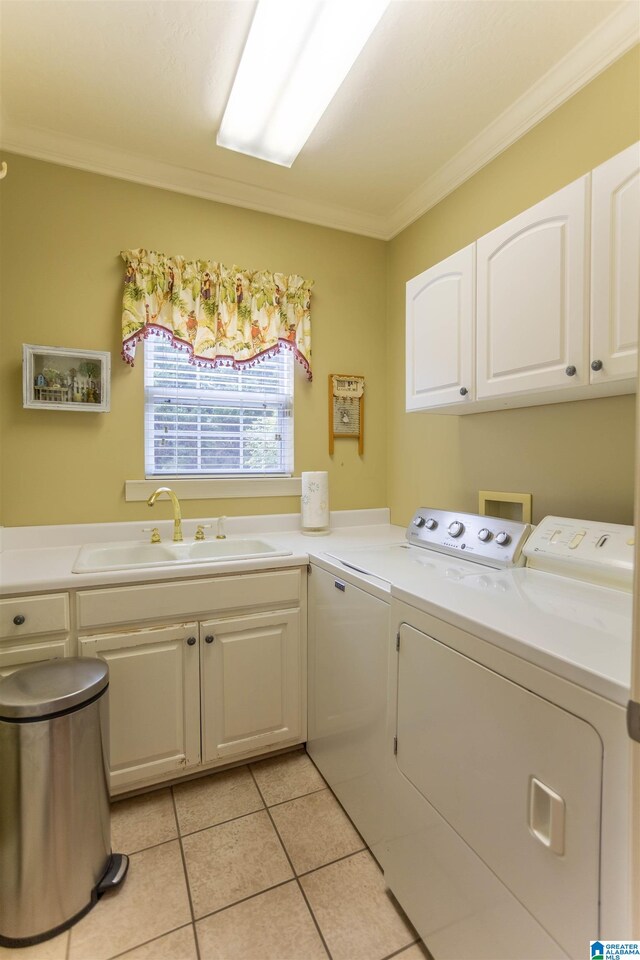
(201, 421)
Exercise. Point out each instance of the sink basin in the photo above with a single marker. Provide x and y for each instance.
(96, 557)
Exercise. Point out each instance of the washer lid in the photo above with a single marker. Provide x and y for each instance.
(52, 687)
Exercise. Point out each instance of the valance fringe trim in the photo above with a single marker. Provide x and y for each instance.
(128, 350)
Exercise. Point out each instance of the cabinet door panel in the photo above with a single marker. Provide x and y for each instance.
(154, 705)
(439, 333)
(26, 654)
(615, 269)
(251, 696)
(532, 309)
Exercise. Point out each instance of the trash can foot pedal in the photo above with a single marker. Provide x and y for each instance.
(116, 872)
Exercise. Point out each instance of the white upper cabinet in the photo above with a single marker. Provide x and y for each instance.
(439, 333)
(544, 308)
(532, 308)
(615, 266)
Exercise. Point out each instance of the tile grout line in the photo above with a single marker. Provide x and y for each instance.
(330, 863)
(399, 952)
(186, 876)
(251, 896)
(286, 853)
(153, 940)
(192, 833)
(301, 796)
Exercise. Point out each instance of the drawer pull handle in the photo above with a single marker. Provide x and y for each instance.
(18, 619)
(571, 370)
(191, 641)
(596, 365)
(209, 639)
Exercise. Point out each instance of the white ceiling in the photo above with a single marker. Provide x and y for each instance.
(137, 89)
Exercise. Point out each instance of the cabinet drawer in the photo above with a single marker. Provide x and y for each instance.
(16, 655)
(47, 614)
(161, 601)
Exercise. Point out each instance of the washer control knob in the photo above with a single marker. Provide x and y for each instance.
(419, 522)
(456, 528)
(503, 538)
(485, 535)
(431, 524)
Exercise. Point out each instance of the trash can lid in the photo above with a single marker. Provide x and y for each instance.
(51, 687)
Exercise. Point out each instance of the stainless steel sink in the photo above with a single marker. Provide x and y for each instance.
(97, 557)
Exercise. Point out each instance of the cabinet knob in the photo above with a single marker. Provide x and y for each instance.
(209, 639)
(463, 391)
(18, 619)
(571, 371)
(191, 641)
(596, 364)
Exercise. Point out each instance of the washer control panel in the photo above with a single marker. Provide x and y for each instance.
(583, 549)
(488, 540)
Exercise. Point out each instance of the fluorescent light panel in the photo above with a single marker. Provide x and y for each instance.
(297, 54)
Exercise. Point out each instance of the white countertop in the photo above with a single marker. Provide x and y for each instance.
(572, 629)
(36, 559)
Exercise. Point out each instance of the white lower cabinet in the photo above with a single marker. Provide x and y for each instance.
(31, 651)
(154, 706)
(207, 689)
(32, 630)
(250, 683)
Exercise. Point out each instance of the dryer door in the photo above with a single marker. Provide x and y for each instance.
(518, 778)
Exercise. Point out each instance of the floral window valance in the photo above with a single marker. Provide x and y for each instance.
(224, 316)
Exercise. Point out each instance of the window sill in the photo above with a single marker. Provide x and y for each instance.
(227, 488)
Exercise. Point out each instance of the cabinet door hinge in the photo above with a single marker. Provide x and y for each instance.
(398, 640)
(395, 746)
(309, 569)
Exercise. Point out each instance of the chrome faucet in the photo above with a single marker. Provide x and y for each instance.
(177, 516)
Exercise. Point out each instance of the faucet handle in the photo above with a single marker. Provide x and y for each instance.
(221, 535)
(155, 533)
(200, 529)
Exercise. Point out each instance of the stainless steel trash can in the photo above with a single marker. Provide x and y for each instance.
(55, 836)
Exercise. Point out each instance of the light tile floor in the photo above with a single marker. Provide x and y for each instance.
(255, 863)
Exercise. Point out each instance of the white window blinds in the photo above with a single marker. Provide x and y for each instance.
(216, 422)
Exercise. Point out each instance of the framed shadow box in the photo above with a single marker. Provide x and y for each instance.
(55, 378)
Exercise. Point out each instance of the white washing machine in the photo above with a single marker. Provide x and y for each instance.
(496, 796)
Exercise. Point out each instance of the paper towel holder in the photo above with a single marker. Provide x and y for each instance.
(346, 408)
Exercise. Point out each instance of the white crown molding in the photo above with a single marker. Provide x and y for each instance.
(83, 154)
(591, 56)
(618, 34)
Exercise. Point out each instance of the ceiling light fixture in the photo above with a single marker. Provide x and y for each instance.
(297, 54)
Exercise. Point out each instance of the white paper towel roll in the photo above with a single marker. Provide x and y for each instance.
(315, 502)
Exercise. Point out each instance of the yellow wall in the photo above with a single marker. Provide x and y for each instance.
(62, 232)
(575, 458)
